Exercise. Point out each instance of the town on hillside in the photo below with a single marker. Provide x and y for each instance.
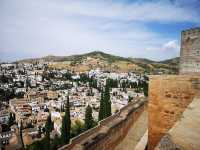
(38, 101)
(99, 74)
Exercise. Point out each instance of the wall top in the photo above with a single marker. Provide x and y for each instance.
(191, 31)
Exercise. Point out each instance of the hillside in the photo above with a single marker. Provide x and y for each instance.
(94, 54)
(98, 59)
(173, 61)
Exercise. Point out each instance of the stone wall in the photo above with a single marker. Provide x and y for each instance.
(168, 98)
(185, 134)
(190, 51)
(110, 131)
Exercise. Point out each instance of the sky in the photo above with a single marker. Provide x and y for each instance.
(129, 28)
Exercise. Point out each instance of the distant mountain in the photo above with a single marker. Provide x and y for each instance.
(142, 60)
(172, 61)
(98, 59)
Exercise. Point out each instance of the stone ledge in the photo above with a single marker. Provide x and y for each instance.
(185, 134)
(169, 96)
(104, 136)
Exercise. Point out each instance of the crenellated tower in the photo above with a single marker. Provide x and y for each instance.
(190, 52)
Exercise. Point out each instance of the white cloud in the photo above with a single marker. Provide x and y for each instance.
(171, 45)
(165, 50)
(139, 11)
(37, 28)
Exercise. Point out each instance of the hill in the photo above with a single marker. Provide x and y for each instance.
(98, 59)
(173, 61)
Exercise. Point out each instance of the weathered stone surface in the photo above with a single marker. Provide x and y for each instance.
(110, 131)
(190, 52)
(168, 98)
(185, 134)
(142, 144)
(135, 133)
(167, 144)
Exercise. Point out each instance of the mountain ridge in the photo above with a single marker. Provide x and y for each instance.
(55, 58)
(103, 60)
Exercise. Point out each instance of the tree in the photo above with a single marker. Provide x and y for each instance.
(145, 89)
(55, 143)
(49, 124)
(130, 99)
(43, 144)
(11, 120)
(102, 107)
(37, 145)
(105, 103)
(46, 141)
(123, 85)
(68, 75)
(112, 83)
(66, 124)
(89, 121)
(77, 128)
(48, 129)
(62, 109)
(21, 136)
(93, 82)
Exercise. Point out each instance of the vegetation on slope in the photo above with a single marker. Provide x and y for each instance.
(98, 59)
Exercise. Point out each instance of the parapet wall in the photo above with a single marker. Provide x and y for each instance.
(185, 134)
(110, 131)
(169, 96)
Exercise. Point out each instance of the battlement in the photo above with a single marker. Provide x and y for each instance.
(191, 31)
(190, 52)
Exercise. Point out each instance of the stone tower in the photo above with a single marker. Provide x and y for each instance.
(190, 52)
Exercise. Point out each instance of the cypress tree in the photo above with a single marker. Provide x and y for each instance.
(66, 124)
(105, 103)
(129, 99)
(49, 124)
(11, 120)
(20, 133)
(48, 129)
(39, 131)
(55, 143)
(145, 88)
(46, 141)
(102, 107)
(89, 121)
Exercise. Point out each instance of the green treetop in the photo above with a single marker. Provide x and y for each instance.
(66, 124)
(89, 121)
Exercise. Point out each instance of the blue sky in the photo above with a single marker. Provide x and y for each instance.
(130, 28)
